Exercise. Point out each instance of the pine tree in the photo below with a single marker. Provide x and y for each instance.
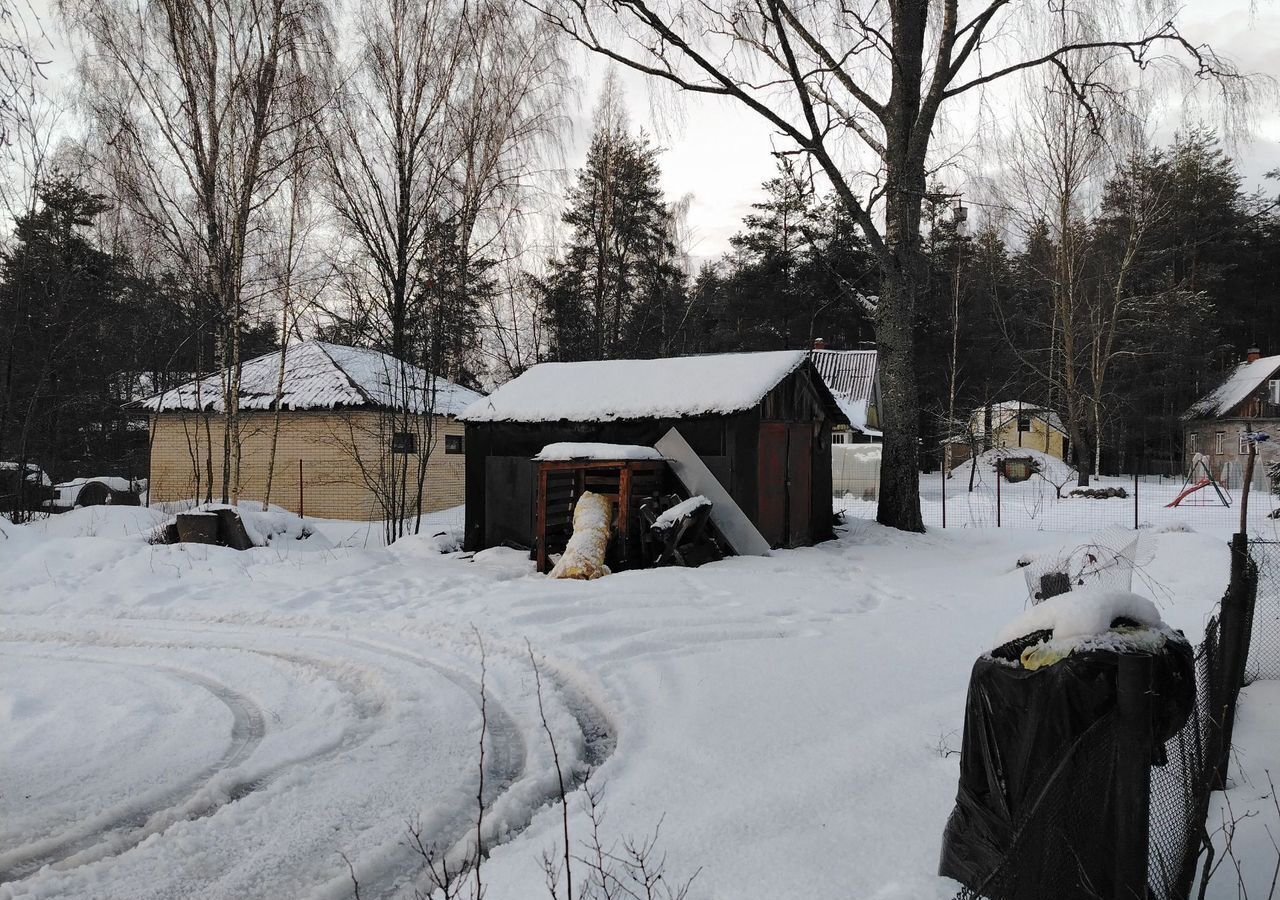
(617, 290)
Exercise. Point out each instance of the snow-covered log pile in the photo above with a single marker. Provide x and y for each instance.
(584, 554)
(684, 508)
(241, 527)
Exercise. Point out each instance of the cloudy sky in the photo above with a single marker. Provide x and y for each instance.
(720, 154)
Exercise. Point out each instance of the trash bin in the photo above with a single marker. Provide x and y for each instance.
(1054, 762)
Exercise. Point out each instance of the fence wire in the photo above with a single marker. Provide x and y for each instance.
(1241, 644)
(978, 498)
(1264, 643)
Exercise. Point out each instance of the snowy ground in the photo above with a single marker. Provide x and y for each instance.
(182, 721)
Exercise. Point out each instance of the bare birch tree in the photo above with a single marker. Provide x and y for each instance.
(23, 55)
(860, 88)
(439, 123)
(192, 104)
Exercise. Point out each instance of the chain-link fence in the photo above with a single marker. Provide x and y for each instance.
(1264, 644)
(1021, 497)
(1060, 832)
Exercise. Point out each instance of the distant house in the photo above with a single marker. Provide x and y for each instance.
(1215, 425)
(1012, 425)
(347, 418)
(854, 380)
(760, 422)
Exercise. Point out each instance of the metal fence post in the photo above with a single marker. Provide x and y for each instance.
(300, 506)
(1135, 501)
(945, 474)
(998, 495)
(1133, 774)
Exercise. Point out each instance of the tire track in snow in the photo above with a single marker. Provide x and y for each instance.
(396, 867)
(508, 748)
(118, 831)
(116, 827)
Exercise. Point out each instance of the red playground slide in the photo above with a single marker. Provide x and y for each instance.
(1202, 483)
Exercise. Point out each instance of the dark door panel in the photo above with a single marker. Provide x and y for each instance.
(773, 483)
(799, 484)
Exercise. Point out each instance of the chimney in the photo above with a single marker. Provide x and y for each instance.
(1253, 354)
(819, 344)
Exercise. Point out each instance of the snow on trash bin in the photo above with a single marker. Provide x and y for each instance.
(1039, 784)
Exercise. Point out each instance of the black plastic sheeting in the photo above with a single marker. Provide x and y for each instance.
(1021, 734)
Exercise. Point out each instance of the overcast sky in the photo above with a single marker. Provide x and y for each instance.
(720, 153)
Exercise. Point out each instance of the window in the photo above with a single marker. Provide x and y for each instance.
(1244, 443)
(1191, 442)
(1024, 422)
(1217, 442)
(838, 437)
(404, 442)
(453, 443)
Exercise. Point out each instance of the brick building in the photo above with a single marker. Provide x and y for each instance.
(1215, 426)
(353, 428)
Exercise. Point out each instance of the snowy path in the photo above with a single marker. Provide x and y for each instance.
(787, 718)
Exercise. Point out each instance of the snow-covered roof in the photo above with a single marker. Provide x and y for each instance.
(1007, 411)
(1239, 386)
(851, 377)
(34, 472)
(609, 390)
(319, 375)
(565, 450)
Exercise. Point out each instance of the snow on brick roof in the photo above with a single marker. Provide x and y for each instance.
(319, 375)
(1239, 386)
(607, 390)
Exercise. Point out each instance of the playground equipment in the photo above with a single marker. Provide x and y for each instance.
(1193, 489)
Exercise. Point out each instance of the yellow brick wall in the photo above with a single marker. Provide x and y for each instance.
(337, 449)
(1040, 437)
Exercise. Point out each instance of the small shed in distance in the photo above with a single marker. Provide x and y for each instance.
(761, 422)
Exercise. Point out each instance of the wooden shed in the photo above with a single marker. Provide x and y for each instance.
(761, 422)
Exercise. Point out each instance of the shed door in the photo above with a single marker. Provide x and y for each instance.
(786, 470)
(773, 483)
(799, 484)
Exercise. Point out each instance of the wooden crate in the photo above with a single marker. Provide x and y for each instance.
(626, 483)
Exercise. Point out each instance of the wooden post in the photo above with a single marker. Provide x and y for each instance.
(624, 513)
(1248, 481)
(542, 518)
(1135, 501)
(301, 508)
(1233, 653)
(1133, 774)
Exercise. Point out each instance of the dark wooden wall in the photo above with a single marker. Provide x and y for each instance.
(728, 444)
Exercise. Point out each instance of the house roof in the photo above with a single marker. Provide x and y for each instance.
(1007, 411)
(851, 376)
(617, 389)
(319, 375)
(1239, 386)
